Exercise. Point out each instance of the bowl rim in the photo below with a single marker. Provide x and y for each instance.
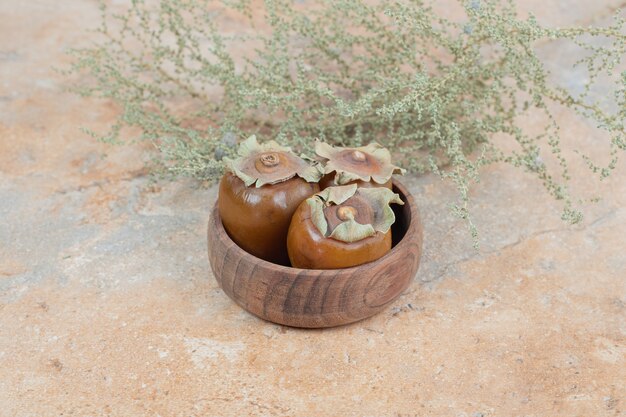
(406, 196)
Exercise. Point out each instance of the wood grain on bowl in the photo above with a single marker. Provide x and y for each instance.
(313, 297)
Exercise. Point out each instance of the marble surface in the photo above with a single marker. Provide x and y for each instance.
(108, 306)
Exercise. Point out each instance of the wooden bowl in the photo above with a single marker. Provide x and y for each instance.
(315, 297)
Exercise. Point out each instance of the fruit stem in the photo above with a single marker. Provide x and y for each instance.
(269, 159)
(346, 213)
(358, 156)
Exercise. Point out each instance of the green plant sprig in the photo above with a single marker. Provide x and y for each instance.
(440, 94)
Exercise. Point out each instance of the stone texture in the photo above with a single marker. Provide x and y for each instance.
(108, 306)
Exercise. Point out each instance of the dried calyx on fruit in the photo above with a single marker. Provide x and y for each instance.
(269, 163)
(342, 226)
(335, 212)
(367, 166)
(259, 193)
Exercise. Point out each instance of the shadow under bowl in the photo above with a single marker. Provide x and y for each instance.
(317, 298)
